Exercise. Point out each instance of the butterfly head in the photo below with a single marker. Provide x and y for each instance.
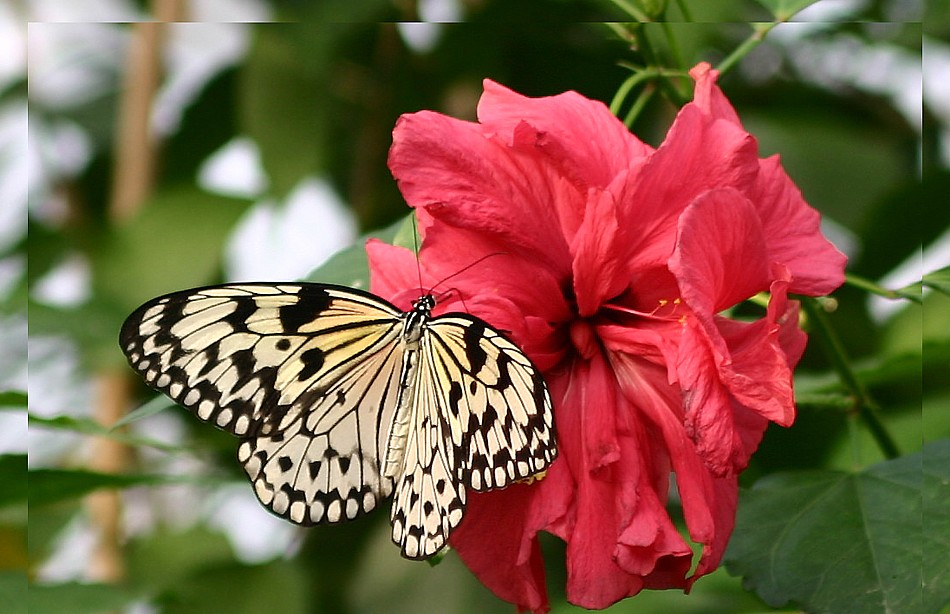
(424, 304)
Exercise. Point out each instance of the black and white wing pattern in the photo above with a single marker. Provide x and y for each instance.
(339, 399)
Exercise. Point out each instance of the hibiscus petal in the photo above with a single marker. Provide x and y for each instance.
(606, 490)
(565, 124)
(708, 97)
(708, 502)
(791, 226)
(599, 249)
(793, 233)
(497, 539)
(466, 179)
(698, 154)
(394, 273)
(720, 258)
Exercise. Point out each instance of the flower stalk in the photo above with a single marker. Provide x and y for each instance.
(863, 405)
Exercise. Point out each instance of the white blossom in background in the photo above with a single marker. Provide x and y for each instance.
(285, 241)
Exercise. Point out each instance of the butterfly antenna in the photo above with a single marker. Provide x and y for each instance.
(415, 245)
(465, 268)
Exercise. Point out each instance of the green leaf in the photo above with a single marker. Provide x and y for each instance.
(13, 592)
(78, 598)
(54, 485)
(195, 571)
(939, 280)
(158, 404)
(279, 586)
(846, 542)
(13, 478)
(175, 242)
(164, 559)
(783, 10)
(11, 399)
(87, 426)
(283, 105)
(349, 266)
(936, 538)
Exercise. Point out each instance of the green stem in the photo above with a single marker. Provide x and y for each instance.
(639, 76)
(674, 46)
(622, 31)
(625, 87)
(687, 16)
(864, 405)
(638, 105)
(866, 284)
(759, 30)
(632, 11)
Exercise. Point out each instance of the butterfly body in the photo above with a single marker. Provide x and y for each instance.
(340, 399)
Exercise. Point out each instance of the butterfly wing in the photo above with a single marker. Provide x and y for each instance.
(498, 407)
(305, 374)
(483, 419)
(429, 499)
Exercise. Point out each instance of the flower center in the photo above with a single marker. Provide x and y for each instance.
(583, 338)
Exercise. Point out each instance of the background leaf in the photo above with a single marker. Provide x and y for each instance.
(81, 598)
(55, 485)
(13, 478)
(841, 542)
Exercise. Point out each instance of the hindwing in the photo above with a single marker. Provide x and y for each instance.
(482, 419)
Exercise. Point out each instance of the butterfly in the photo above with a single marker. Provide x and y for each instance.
(340, 399)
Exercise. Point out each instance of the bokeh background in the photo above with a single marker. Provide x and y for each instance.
(250, 144)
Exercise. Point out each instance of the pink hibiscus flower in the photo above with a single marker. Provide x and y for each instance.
(611, 264)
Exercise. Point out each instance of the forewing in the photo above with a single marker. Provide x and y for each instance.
(304, 373)
(498, 408)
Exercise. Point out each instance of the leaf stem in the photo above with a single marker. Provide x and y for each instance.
(759, 30)
(631, 10)
(687, 16)
(639, 104)
(863, 405)
(866, 284)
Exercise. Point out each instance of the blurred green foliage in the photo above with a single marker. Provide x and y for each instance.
(319, 96)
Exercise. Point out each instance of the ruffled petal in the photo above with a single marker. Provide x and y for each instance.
(600, 263)
(564, 125)
(698, 154)
(791, 226)
(708, 502)
(720, 258)
(793, 233)
(465, 179)
(605, 492)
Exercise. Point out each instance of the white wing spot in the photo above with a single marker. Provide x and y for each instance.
(280, 502)
(204, 409)
(333, 511)
(264, 492)
(192, 397)
(241, 424)
(298, 511)
(317, 510)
